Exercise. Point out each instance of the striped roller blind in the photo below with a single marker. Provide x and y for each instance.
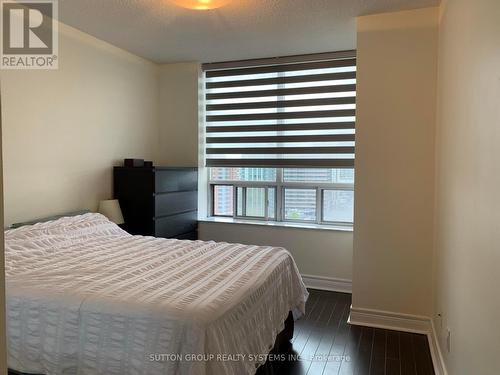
(296, 111)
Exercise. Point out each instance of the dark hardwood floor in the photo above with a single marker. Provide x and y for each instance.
(328, 345)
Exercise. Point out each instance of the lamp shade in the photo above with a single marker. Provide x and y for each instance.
(111, 209)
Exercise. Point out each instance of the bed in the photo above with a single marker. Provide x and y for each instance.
(85, 297)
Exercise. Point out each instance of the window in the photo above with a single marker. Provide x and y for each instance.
(307, 195)
(280, 138)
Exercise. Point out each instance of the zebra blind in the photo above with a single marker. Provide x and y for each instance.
(285, 112)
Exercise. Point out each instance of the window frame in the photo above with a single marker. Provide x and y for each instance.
(279, 185)
(244, 203)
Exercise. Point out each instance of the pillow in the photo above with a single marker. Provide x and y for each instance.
(49, 218)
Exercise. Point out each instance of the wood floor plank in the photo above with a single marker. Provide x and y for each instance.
(408, 366)
(331, 368)
(309, 326)
(336, 355)
(393, 345)
(330, 333)
(377, 366)
(379, 342)
(302, 329)
(392, 366)
(318, 328)
(351, 350)
(362, 366)
(340, 340)
(302, 324)
(423, 360)
(378, 358)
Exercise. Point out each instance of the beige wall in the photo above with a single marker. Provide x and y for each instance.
(317, 252)
(63, 130)
(468, 185)
(395, 123)
(179, 114)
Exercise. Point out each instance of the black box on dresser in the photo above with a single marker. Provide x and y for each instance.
(158, 201)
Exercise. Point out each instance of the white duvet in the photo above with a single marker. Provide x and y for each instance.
(85, 297)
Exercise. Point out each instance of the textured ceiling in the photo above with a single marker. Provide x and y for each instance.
(162, 32)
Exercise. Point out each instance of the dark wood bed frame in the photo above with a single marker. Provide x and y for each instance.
(282, 344)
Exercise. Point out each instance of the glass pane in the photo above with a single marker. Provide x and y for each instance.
(271, 197)
(343, 176)
(239, 201)
(242, 174)
(223, 200)
(256, 202)
(300, 204)
(338, 205)
(325, 175)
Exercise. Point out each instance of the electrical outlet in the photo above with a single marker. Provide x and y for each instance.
(448, 340)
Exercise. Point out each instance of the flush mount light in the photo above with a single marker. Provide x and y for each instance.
(201, 4)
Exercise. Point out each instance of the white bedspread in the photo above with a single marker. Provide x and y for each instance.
(85, 297)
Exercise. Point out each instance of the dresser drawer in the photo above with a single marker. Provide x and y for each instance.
(188, 236)
(168, 180)
(174, 203)
(171, 226)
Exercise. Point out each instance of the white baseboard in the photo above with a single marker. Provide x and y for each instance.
(436, 353)
(405, 323)
(389, 320)
(327, 283)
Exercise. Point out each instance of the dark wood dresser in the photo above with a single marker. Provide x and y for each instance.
(158, 201)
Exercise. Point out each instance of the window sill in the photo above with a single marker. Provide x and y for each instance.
(228, 220)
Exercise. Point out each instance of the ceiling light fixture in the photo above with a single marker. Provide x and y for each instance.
(201, 4)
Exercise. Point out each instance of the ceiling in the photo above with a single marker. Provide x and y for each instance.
(162, 32)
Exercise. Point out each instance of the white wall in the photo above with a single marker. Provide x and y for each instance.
(468, 185)
(395, 123)
(63, 130)
(322, 253)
